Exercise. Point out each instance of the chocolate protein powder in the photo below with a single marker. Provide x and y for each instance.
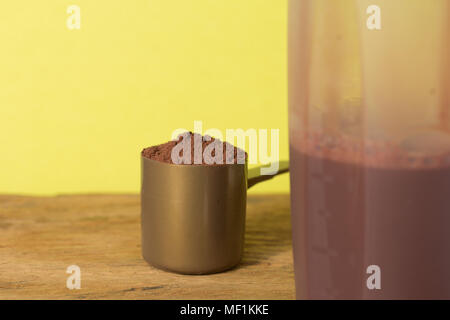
(195, 149)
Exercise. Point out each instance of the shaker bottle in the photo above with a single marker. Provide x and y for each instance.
(369, 123)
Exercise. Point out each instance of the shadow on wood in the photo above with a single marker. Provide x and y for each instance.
(268, 228)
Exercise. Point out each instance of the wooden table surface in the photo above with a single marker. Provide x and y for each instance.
(41, 236)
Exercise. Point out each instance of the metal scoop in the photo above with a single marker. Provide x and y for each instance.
(193, 216)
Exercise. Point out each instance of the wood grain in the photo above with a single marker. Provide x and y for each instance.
(41, 236)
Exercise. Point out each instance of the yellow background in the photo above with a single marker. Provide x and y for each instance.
(77, 106)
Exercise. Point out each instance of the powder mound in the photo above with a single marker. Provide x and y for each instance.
(200, 150)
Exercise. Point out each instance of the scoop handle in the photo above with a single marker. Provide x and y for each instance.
(255, 176)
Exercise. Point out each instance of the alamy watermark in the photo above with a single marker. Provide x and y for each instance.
(258, 146)
(74, 280)
(73, 21)
(374, 280)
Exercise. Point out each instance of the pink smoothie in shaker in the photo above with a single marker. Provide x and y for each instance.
(370, 148)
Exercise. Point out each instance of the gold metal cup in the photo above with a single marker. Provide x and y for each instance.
(193, 216)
